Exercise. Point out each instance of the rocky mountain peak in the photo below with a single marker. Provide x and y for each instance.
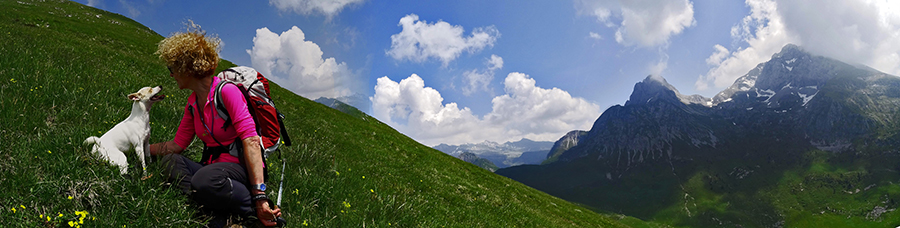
(792, 71)
(652, 87)
(655, 87)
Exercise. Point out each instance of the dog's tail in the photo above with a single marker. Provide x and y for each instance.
(93, 140)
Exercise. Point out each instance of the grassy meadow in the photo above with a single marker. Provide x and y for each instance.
(65, 71)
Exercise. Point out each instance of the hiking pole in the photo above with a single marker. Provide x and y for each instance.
(281, 221)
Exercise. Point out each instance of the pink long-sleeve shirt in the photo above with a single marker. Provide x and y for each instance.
(191, 125)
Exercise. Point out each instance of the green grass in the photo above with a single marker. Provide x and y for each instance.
(64, 74)
(787, 187)
(819, 193)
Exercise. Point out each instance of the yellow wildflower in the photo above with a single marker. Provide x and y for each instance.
(70, 197)
(23, 206)
(372, 190)
(82, 215)
(49, 152)
(364, 177)
(14, 210)
(71, 223)
(304, 223)
(346, 204)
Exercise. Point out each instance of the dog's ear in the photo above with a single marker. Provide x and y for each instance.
(134, 97)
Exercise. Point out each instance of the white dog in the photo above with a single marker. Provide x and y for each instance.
(133, 132)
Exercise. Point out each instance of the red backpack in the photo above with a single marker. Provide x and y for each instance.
(255, 87)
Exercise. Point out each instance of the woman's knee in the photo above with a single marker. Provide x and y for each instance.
(208, 181)
(172, 164)
(171, 160)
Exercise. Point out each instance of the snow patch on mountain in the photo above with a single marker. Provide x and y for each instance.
(804, 93)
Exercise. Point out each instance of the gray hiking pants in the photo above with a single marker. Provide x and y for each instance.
(220, 187)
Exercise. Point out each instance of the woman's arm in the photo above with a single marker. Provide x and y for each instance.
(254, 163)
(183, 136)
(164, 148)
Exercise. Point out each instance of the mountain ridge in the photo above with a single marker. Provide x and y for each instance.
(744, 157)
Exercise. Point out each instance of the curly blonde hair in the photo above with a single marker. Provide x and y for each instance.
(191, 52)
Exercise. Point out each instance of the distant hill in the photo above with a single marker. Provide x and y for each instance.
(65, 71)
(340, 106)
(799, 141)
(480, 162)
(346, 104)
(565, 143)
(504, 155)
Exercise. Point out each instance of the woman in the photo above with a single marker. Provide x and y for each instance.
(221, 182)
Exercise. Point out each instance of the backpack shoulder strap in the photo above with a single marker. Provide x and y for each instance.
(191, 108)
(220, 104)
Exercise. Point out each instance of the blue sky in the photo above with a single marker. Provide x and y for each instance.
(466, 71)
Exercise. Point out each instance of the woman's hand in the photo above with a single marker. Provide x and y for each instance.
(254, 162)
(164, 148)
(265, 213)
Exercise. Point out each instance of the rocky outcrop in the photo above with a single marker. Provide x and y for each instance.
(568, 141)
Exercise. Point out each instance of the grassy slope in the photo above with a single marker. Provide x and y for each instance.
(65, 70)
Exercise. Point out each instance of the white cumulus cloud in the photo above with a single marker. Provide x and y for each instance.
(420, 40)
(855, 31)
(328, 8)
(716, 58)
(479, 79)
(525, 111)
(642, 22)
(297, 64)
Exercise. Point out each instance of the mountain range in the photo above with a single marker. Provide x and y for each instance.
(799, 139)
(503, 155)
